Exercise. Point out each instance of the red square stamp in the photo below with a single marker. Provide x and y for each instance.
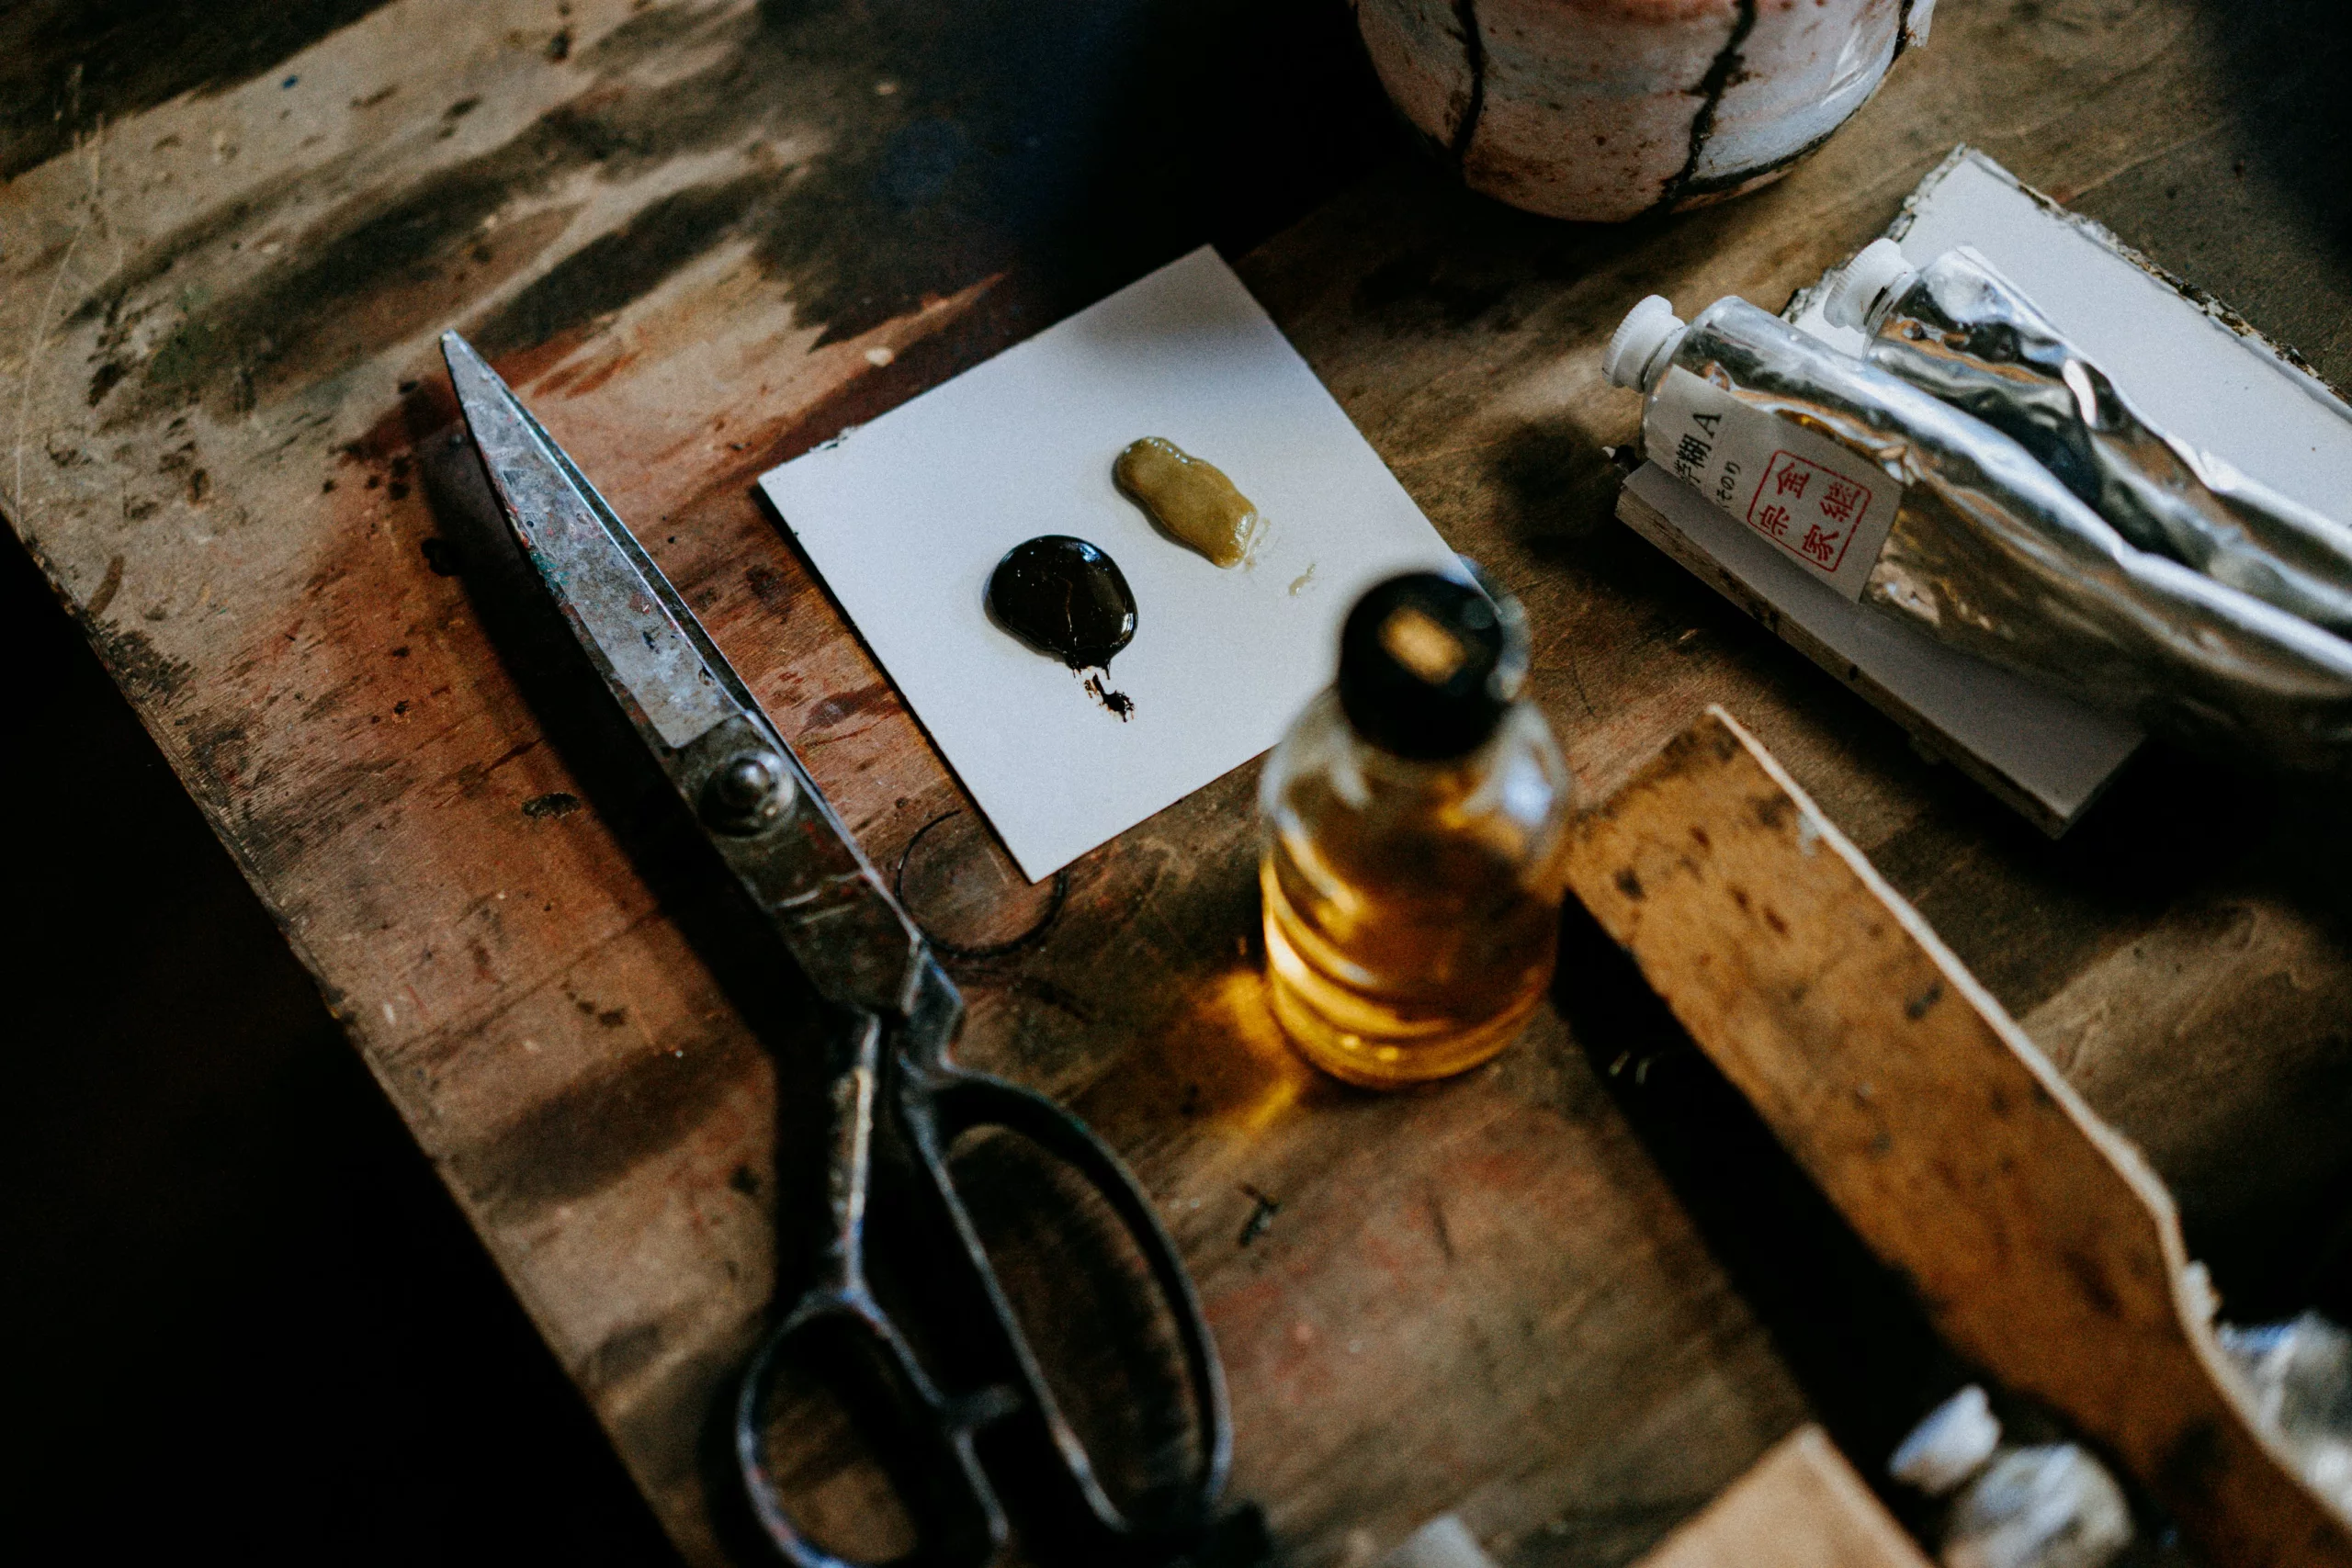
(1808, 509)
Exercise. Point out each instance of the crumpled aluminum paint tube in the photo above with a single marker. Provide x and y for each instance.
(1958, 330)
(1896, 500)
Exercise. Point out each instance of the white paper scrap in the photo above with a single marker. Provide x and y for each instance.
(906, 516)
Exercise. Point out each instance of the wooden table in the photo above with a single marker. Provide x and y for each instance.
(700, 237)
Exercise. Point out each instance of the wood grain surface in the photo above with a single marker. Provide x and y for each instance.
(2042, 1246)
(699, 237)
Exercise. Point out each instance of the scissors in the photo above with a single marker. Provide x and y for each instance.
(890, 1070)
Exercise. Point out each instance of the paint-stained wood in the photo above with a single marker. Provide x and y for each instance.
(2042, 1245)
(1801, 1507)
(700, 236)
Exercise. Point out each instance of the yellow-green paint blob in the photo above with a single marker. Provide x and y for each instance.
(1193, 500)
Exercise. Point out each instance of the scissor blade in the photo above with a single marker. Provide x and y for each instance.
(605, 586)
(802, 866)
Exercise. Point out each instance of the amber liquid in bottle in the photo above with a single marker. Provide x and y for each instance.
(1411, 909)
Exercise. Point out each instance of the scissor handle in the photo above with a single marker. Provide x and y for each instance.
(925, 1437)
(938, 1103)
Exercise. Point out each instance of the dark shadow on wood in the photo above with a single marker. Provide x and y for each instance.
(1851, 1329)
(236, 1287)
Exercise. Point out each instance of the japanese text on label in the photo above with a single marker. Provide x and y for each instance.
(1813, 498)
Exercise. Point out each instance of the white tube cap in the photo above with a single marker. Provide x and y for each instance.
(1878, 274)
(1951, 1445)
(1642, 342)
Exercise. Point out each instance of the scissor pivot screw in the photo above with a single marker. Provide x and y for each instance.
(749, 790)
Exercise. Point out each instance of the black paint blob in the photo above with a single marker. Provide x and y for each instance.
(1064, 597)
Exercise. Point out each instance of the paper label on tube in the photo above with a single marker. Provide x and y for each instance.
(1814, 499)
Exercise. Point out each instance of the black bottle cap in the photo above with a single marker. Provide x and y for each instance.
(1427, 666)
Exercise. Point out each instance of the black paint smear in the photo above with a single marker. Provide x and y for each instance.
(1435, 280)
(613, 269)
(1088, 140)
(103, 380)
(581, 1140)
(1099, 687)
(66, 65)
(1076, 144)
(340, 302)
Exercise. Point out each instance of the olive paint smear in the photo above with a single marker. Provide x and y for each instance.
(1079, 143)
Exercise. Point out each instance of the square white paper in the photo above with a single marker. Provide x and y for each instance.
(906, 518)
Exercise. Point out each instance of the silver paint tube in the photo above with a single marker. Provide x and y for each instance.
(1959, 330)
(1899, 501)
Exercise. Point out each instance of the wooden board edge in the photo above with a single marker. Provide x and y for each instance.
(2222, 1473)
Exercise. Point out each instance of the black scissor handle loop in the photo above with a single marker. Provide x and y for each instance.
(958, 1520)
(939, 1104)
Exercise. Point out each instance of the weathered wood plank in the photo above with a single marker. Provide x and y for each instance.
(699, 237)
(2040, 1244)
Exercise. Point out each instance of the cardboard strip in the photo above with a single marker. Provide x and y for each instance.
(2041, 1247)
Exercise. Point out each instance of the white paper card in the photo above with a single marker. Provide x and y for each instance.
(1818, 503)
(906, 516)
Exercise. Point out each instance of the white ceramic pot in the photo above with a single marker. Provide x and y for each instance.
(1605, 109)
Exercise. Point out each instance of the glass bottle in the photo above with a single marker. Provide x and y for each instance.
(1413, 822)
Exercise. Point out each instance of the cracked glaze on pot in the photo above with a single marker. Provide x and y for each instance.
(1605, 109)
